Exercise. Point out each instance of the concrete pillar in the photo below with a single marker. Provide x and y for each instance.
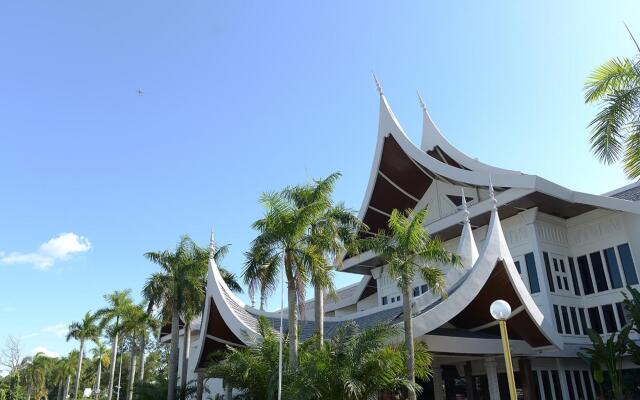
(492, 378)
(563, 380)
(468, 378)
(438, 389)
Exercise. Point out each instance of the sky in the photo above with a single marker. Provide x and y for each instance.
(242, 97)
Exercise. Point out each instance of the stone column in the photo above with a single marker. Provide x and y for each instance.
(468, 378)
(492, 378)
(438, 392)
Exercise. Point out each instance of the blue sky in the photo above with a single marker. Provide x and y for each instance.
(244, 97)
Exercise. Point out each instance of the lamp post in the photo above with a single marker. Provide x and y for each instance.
(501, 310)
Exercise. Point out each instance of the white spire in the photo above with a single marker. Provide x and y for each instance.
(422, 105)
(378, 86)
(212, 243)
(467, 249)
(492, 194)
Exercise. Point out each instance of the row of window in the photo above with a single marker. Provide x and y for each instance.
(567, 319)
(579, 385)
(394, 299)
(569, 279)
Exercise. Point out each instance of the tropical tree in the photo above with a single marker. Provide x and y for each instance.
(285, 232)
(408, 249)
(118, 304)
(135, 325)
(84, 330)
(35, 371)
(260, 273)
(100, 353)
(352, 365)
(615, 130)
(67, 368)
(607, 356)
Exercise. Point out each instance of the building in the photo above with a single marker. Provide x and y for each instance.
(560, 258)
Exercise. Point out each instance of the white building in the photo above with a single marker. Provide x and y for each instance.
(561, 259)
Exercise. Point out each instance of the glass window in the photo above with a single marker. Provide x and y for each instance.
(598, 271)
(547, 267)
(583, 321)
(621, 317)
(627, 264)
(565, 319)
(416, 291)
(546, 385)
(574, 319)
(423, 289)
(609, 318)
(385, 300)
(517, 263)
(572, 395)
(398, 298)
(557, 389)
(574, 277)
(393, 299)
(594, 317)
(556, 311)
(585, 274)
(587, 382)
(576, 375)
(612, 267)
(530, 261)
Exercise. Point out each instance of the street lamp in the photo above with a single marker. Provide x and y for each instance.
(501, 310)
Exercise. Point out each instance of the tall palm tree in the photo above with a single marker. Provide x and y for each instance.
(615, 135)
(135, 325)
(261, 273)
(408, 249)
(67, 369)
(283, 232)
(87, 329)
(101, 357)
(118, 304)
(180, 289)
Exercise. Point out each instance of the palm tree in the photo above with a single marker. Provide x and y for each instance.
(284, 232)
(118, 304)
(408, 249)
(180, 289)
(261, 273)
(615, 135)
(135, 325)
(87, 329)
(67, 369)
(101, 357)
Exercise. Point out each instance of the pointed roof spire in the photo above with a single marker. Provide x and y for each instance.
(378, 86)
(422, 105)
(492, 194)
(212, 243)
(467, 249)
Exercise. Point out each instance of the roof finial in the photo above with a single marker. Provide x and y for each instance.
(380, 92)
(465, 210)
(212, 243)
(492, 194)
(422, 105)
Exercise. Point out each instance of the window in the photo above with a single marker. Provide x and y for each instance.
(574, 277)
(393, 299)
(583, 321)
(621, 317)
(398, 298)
(609, 318)
(530, 261)
(627, 264)
(385, 300)
(558, 321)
(567, 375)
(574, 319)
(598, 271)
(517, 263)
(558, 273)
(423, 289)
(585, 274)
(612, 267)
(416, 291)
(547, 267)
(565, 319)
(594, 317)
(576, 375)
(556, 384)
(546, 385)
(587, 382)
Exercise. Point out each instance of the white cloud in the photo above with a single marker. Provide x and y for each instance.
(58, 248)
(45, 351)
(57, 329)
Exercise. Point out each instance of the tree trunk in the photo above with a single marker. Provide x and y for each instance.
(112, 372)
(293, 324)
(99, 376)
(186, 346)
(318, 305)
(67, 387)
(143, 345)
(173, 356)
(79, 369)
(262, 300)
(59, 395)
(200, 386)
(120, 373)
(132, 370)
(408, 338)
